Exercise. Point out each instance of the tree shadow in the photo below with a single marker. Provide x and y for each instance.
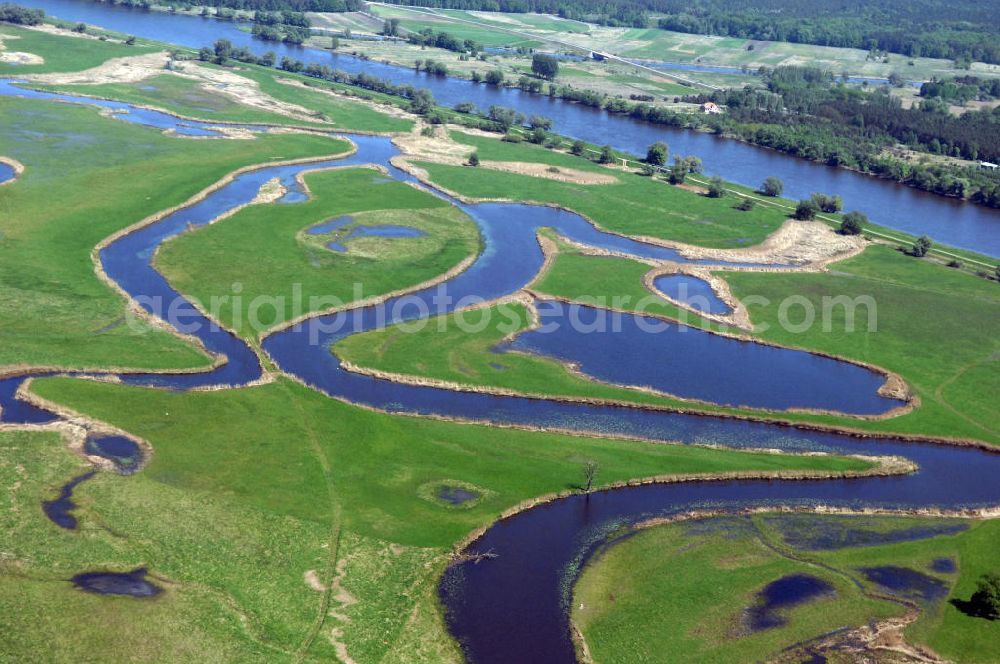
(970, 608)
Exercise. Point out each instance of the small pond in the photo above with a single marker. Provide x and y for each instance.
(785, 593)
(692, 291)
(131, 584)
(60, 510)
(906, 582)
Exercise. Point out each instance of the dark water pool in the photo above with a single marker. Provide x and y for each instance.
(907, 582)
(60, 509)
(692, 291)
(130, 584)
(785, 593)
(456, 495)
(944, 566)
(124, 452)
(824, 533)
(6, 172)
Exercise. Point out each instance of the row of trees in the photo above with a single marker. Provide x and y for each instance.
(20, 15)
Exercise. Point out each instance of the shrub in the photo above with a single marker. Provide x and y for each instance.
(607, 155)
(772, 186)
(853, 223)
(986, 600)
(716, 187)
(657, 154)
(921, 246)
(474, 159)
(806, 210)
(578, 147)
(746, 204)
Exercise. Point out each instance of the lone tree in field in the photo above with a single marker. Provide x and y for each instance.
(806, 210)
(474, 159)
(772, 187)
(921, 246)
(589, 473)
(716, 187)
(985, 601)
(544, 66)
(578, 148)
(657, 154)
(607, 155)
(853, 223)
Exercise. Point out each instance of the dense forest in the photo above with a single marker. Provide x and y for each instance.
(956, 29)
(253, 5)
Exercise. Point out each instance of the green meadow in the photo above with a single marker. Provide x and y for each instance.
(62, 53)
(287, 260)
(632, 206)
(250, 489)
(86, 177)
(680, 592)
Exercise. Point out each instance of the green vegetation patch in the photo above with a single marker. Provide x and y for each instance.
(636, 205)
(248, 490)
(62, 53)
(918, 306)
(681, 591)
(285, 272)
(86, 177)
(181, 96)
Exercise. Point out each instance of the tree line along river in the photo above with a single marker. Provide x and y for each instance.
(887, 203)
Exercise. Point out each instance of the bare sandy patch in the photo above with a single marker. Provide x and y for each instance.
(441, 149)
(131, 69)
(229, 83)
(692, 188)
(795, 243)
(545, 171)
(20, 57)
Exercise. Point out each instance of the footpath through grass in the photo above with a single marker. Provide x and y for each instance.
(86, 177)
(295, 272)
(682, 592)
(247, 490)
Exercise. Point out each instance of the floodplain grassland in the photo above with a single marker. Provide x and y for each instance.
(445, 350)
(86, 177)
(180, 96)
(632, 206)
(248, 490)
(62, 53)
(273, 239)
(919, 305)
(681, 592)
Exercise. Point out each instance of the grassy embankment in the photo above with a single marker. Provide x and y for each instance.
(189, 98)
(287, 260)
(87, 177)
(698, 578)
(921, 308)
(250, 489)
(62, 53)
(633, 206)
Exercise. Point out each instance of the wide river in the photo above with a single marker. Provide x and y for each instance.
(515, 607)
(887, 203)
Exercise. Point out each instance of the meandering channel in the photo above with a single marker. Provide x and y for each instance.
(514, 607)
(887, 203)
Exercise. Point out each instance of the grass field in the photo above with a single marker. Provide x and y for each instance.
(248, 490)
(61, 53)
(634, 206)
(678, 593)
(86, 177)
(955, 389)
(271, 238)
(181, 96)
